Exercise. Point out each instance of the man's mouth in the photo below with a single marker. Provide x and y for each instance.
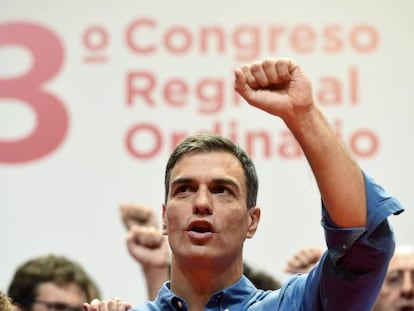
(200, 230)
(200, 226)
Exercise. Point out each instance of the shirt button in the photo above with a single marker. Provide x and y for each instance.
(344, 246)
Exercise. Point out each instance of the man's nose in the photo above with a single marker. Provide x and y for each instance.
(407, 289)
(202, 202)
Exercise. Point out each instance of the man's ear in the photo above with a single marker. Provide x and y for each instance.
(164, 219)
(254, 219)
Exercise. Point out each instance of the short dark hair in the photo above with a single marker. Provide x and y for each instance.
(209, 143)
(261, 279)
(50, 268)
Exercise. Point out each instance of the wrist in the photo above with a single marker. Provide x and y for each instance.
(150, 268)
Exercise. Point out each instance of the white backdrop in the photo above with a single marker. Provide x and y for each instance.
(92, 94)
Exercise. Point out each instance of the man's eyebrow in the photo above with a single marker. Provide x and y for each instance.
(225, 181)
(217, 181)
(181, 180)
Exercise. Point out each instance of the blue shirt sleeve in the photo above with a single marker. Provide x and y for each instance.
(351, 272)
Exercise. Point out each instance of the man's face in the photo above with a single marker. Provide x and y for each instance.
(397, 292)
(206, 216)
(51, 297)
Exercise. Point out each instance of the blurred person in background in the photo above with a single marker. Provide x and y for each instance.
(397, 291)
(51, 283)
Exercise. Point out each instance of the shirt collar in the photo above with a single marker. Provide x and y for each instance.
(233, 295)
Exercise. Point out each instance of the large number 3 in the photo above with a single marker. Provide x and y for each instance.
(51, 116)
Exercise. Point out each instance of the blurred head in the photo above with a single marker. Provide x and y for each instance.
(397, 292)
(209, 143)
(49, 283)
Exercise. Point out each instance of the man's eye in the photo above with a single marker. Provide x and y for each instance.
(221, 189)
(61, 307)
(394, 278)
(182, 188)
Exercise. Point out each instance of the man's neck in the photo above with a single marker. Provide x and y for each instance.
(198, 283)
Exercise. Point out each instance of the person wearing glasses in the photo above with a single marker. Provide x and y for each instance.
(51, 283)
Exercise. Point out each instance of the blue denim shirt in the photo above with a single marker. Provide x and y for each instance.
(348, 276)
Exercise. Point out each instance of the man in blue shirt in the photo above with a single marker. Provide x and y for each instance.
(210, 209)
